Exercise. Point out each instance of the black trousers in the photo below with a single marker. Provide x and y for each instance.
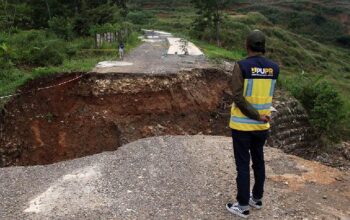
(248, 144)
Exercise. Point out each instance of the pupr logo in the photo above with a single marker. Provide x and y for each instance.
(256, 71)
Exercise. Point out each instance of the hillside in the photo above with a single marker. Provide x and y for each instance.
(326, 21)
(90, 132)
(309, 39)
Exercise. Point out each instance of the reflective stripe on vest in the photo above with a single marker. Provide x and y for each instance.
(245, 120)
(258, 92)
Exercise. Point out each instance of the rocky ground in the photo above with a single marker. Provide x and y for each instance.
(183, 177)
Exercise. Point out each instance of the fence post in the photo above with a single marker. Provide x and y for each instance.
(98, 40)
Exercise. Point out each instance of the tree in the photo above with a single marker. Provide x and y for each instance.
(61, 15)
(122, 4)
(14, 14)
(210, 14)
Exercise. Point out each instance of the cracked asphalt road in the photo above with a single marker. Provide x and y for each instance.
(151, 57)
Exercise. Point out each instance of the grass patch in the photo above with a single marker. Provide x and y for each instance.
(215, 52)
(12, 77)
(73, 65)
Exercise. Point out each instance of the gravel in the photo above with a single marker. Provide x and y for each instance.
(182, 177)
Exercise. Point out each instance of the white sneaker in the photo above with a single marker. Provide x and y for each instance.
(236, 210)
(257, 205)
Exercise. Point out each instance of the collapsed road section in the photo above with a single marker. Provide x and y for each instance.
(96, 112)
(101, 112)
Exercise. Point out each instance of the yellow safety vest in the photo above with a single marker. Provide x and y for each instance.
(258, 91)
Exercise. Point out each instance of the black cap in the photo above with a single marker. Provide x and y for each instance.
(256, 41)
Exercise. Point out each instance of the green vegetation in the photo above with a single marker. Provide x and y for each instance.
(209, 16)
(295, 53)
(218, 53)
(11, 78)
(314, 19)
(57, 36)
(323, 103)
(37, 47)
(27, 62)
(308, 37)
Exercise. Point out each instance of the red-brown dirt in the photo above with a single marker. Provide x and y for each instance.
(101, 112)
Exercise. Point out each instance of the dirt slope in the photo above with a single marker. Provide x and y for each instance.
(102, 112)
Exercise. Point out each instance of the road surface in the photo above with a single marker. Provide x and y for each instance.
(157, 56)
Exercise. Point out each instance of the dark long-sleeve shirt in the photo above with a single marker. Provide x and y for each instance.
(239, 100)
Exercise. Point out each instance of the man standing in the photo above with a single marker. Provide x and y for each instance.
(254, 80)
(121, 50)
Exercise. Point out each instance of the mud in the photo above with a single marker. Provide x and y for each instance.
(102, 112)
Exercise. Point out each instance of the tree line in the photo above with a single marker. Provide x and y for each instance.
(78, 14)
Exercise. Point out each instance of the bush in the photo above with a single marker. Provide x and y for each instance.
(327, 112)
(5, 55)
(37, 48)
(48, 55)
(83, 43)
(322, 102)
(62, 27)
(99, 29)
